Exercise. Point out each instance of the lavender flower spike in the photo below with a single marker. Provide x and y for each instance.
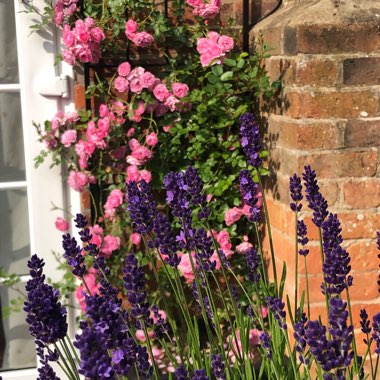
(295, 192)
(249, 191)
(217, 366)
(200, 374)
(302, 237)
(299, 336)
(251, 138)
(317, 202)
(276, 306)
(265, 341)
(376, 332)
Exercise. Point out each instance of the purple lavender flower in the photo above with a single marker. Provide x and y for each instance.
(73, 255)
(302, 237)
(95, 362)
(45, 314)
(336, 265)
(200, 374)
(204, 250)
(376, 332)
(143, 365)
(317, 202)
(217, 366)
(295, 193)
(265, 341)
(253, 262)
(299, 336)
(365, 322)
(45, 371)
(181, 373)
(141, 206)
(206, 302)
(276, 306)
(249, 191)
(160, 325)
(341, 334)
(165, 240)
(134, 283)
(123, 358)
(250, 138)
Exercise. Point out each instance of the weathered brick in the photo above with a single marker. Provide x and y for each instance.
(359, 225)
(371, 309)
(280, 68)
(331, 104)
(362, 194)
(364, 286)
(365, 70)
(272, 36)
(79, 97)
(330, 39)
(362, 133)
(363, 255)
(316, 72)
(343, 164)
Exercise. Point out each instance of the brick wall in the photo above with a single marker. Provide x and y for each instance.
(328, 56)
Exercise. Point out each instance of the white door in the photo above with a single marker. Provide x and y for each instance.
(26, 193)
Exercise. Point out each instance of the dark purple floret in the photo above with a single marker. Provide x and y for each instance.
(200, 374)
(80, 221)
(251, 138)
(341, 334)
(45, 314)
(253, 261)
(46, 372)
(265, 341)
(295, 193)
(302, 237)
(141, 206)
(376, 332)
(365, 322)
(360, 362)
(73, 255)
(217, 366)
(165, 241)
(299, 336)
(160, 325)
(204, 250)
(224, 259)
(276, 306)
(249, 191)
(206, 302)
(181, 373)
(143, 365)
(316, 201)
(134, 283)
(336, 265)
(95, 363)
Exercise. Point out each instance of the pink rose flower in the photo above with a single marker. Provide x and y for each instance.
(110, 244)
(142, 39)
(68, 137)
(208, 12)
(130, 28)
(223, 238)
(97, 235)
(147, 80)
(185, 267)
(171, 101)
(233, 215)
(151, 139)
(146, 175)
(243, 247)
(133, 174)
(77, 180)
(97, 35)
(134, 144)
(141, 336)
(124, 69)
(180, 90)
(167, 128)
(103, 110)
(130, 132)
(136, 86)
(226, 43)
(61, 224)
(142, 154)
(161, 92)
(121, 84)
(115, 199)
(135, 238)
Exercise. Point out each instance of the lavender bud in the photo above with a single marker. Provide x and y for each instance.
(295, 192)
(250, 138)
(217, 366)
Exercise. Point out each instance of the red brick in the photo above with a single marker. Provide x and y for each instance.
(359, 225)
(280, 68)
(343, 164)
(362, 194)
(364, 70)
(330, 39)
(363, 254)
(272, 37)
(80, 97)
(316, 72)
(362, 133)
(85, 200)
(365, 286)
(371, 309)
(314, 288)
(331, 104)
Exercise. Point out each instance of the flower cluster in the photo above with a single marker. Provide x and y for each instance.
(213, 48)
(63, 10)
(82, 42)
(141, 39)
(205, 10)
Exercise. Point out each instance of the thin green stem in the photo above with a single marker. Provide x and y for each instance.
(264, 272)
(73, 348)
(70, 357)
(63, 361)
(356, 365)
(307, 289)
(296, 265)
(147, 339)
(323, 260)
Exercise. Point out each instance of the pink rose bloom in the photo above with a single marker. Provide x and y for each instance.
(233, 215)
(180, 90)
(137, 72)
(130, 132)
(194, 3)
(68, 56)
(130, 28)
(142, 39)
(61, 224)
(142, 154)
(104, 125)
(68, 137)
(77, 180)
(133, 174)
(146, 175)
(161, 92)
(151, 139)
(68, 37)
(138, 112)
(136, 86)
(90, 278)
(147, 80)
(110, 244)
(264, 311)
(226, 43)
(171, 101)
(115, 199)
(185, 267)
(243, 247)
(121, 84)
(97, 34)
(103, 110)
(209, 11)
(134, 144)
(223, 238)
(133, 161)
(97, 235)
(135, 238)
(88, 22)
(141, 336)
(124, 69)
(167, 128)
(161, 313)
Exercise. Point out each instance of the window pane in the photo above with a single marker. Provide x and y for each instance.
(8, 44)
(17, 348)
(14, 231)
(12, 161)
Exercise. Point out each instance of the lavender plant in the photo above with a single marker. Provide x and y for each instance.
(222, 328)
